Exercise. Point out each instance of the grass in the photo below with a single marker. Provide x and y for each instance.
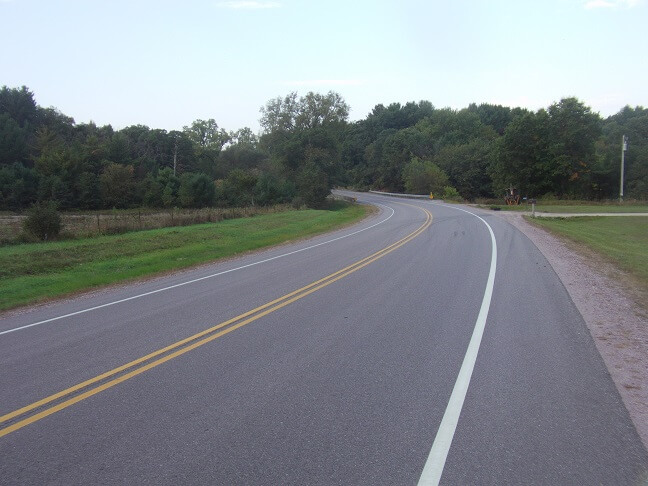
(561, 206)
(584, 208)
(622, 240)
(94, 223)
(32, 273)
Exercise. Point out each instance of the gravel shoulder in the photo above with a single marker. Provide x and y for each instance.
(615, 311)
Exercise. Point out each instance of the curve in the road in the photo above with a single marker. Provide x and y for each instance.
(190, 343)
(433, 469)
(205, 277)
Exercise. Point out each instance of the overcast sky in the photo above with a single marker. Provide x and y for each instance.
(166, 63)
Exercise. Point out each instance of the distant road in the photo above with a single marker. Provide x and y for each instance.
(426, 344)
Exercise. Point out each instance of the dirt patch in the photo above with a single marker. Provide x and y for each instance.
(615, 310)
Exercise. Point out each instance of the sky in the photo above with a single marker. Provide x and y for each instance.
(165, 63)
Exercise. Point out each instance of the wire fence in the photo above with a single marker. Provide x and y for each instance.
(96, 223)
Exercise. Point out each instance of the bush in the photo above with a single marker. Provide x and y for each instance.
(43, 221)
(298, 203)
(451, 194)
(423, 177)
(196, 190)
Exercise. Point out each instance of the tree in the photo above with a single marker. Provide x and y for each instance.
(238, 188)
(18, 186)
(312, 185)
(522, 158)
(356, 138)
(381, 169)
(56, 189)
(316, 110)
(170, 186)
(398, 117)
(244, 137)
(551, 151)
(280, 114)
(423, 177)
(270, 189)
(119, 150)
(632, 122)
(496, 116)
(196, 190)
(206, 134)
(13, 141)
(310, 111)
(573, 132)
(304, 136)
(467, 167)
(151, 191)
(20, 105)
(239, 156)
(183, 156)
(89, 195)
(57, 122)
(117, 185)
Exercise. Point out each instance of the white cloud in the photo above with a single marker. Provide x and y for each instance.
(593, 4)
(248, 5)
(324, 82)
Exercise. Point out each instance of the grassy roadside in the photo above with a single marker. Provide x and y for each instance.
(32, 273)
(574, 208)
(623, 241)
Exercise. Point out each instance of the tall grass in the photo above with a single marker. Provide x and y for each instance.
(98, 223)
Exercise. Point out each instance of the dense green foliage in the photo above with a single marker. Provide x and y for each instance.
(307, 146)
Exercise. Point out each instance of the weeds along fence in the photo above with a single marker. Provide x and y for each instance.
(95, 223)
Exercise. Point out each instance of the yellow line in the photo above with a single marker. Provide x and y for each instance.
(270, 306)
(182, 342)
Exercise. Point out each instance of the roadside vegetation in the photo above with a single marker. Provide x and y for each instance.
(14, 228)
(60, 179)
(621, 240)
(307, 145)
(569, 206)
(35, 272)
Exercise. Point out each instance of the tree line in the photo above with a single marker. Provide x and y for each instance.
(307, 146)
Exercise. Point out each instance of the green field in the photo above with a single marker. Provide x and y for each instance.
(31, 273)
(572, 207)
(622, 240)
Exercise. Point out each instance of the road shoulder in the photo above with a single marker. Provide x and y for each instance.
(609, 304)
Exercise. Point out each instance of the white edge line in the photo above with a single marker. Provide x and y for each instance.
(435, 463)
(138, 296)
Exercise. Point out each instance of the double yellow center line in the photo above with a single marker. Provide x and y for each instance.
(65, 398)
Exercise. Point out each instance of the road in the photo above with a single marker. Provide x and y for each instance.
(427, 344)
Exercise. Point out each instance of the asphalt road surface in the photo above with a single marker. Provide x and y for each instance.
(425, 344)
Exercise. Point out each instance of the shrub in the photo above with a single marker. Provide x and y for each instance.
(117, 185)
(423, 177)
(196, 190)
(451, 194)
(43, 221)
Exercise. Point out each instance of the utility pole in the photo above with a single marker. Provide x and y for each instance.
(624, 147)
